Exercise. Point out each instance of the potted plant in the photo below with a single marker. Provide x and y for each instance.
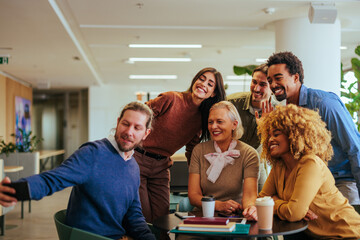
(352, 92)
(21, 153)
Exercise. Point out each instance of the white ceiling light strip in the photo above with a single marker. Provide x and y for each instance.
(239, 83)
(261, 60)
(134, 59)
(76, 39)
(239, 77)
(165, 46)
(153, 76)
(170, 27)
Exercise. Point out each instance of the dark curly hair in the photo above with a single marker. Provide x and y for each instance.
(293, 64)
(205, 106)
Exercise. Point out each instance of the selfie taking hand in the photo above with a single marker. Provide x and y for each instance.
(5, 199)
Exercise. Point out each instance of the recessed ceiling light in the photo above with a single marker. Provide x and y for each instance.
(165, 45)
(160, 59)
(238, 77)
(153, 76)
(261, 60)
(236, 83)
(343, 47)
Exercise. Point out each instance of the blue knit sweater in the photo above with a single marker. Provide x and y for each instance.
(104, 199)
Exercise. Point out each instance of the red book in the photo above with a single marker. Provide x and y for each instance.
(207, 221)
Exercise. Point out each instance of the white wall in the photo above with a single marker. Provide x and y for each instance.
(106, 102)
(317, 46)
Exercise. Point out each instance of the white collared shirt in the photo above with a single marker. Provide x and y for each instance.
(113, 142)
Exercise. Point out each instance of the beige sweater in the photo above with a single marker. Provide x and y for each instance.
(229, 184)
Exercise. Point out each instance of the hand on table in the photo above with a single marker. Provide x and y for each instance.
(250, 213)
(6, 200)
(310, 215)
(229, 206)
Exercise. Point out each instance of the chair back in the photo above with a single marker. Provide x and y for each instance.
(185, 206)
(179, 174)
(63, 230)
(66, 232)
(357, 208)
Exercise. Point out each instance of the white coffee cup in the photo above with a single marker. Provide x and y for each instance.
(208, 206)
(265, 210)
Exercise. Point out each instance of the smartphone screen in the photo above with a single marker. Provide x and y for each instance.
(22, 190)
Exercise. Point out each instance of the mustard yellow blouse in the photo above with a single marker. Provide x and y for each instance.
(311, 185)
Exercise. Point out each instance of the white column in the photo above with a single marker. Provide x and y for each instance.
(318, 48)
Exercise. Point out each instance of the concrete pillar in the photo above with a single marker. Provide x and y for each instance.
(318, 48)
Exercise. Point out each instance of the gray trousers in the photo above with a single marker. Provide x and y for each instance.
(350, 191)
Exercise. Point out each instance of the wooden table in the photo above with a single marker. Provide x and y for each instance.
(46, 155)
(8, 169)
(280, 227)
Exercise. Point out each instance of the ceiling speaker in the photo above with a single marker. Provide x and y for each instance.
(322, 13)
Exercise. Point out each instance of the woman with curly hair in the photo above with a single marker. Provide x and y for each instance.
(297, 145)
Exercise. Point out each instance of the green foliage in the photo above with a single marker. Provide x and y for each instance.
(24, 143)
(7, 148)
(353, 91)
(240, 70)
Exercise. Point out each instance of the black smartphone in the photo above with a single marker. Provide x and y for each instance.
(183, 215)
(21, 188)
(230, 215)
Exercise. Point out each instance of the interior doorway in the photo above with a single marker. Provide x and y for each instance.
(60, 117)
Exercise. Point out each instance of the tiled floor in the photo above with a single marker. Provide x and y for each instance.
(39, 224)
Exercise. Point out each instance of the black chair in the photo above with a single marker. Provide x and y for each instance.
(179, 176)
(357, 208)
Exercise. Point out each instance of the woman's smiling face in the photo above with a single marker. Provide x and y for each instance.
(278, 144)
(204, 86)
(220, 125)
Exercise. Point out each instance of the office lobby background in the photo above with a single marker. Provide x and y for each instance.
(72, 59)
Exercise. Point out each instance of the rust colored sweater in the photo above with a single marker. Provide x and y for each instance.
(177, 122)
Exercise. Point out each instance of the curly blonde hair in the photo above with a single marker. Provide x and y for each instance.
(306, 131)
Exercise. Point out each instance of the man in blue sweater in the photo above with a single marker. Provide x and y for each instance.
(286, 77)
(105, 179)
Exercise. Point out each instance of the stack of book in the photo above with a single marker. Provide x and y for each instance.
(207, 225)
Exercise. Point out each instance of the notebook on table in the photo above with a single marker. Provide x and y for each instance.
(207, 228)
(207, 221)
(238, 229)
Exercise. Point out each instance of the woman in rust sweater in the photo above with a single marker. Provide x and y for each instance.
(180, 118)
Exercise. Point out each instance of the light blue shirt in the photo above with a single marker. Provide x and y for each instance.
(345, 164)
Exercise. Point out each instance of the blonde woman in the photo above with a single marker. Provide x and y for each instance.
(297, 145)
(225, 167)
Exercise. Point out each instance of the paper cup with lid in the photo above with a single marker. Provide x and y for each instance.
(265, 211)
(208, 206)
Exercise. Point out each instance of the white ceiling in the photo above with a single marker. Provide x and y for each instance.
(232, 32)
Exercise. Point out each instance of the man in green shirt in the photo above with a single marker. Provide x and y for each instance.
(247, 103)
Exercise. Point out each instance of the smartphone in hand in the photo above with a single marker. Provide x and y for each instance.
(183, 215)
(21, 188)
